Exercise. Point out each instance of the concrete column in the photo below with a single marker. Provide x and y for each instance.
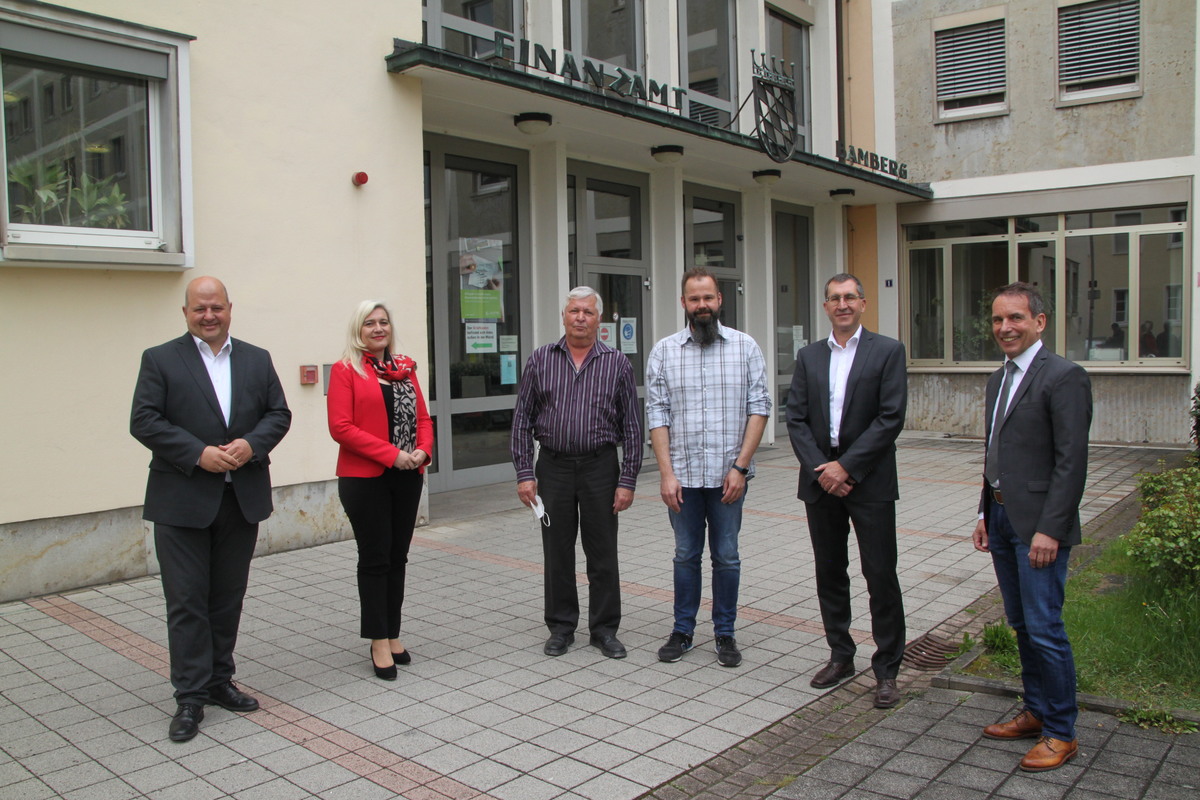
(548, 233)
(666, 250)
(662, 28)
(888, 300)
(829, 257)
(758, 228)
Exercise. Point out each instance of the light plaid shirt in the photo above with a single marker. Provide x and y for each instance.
(704, 396)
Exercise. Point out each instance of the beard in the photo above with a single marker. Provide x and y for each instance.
(704, 327)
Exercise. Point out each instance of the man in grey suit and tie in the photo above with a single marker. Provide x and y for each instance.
(845, 409)
(1039, 409)
(210, 409)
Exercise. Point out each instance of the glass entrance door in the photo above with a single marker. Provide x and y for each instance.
(793, 303)
(476, 297)
(710, 239)
(623, 323)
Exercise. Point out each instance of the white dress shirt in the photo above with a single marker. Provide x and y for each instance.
(1022, 361)
(218, 371)
(841, 359)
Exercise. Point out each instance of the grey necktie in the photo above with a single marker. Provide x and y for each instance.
(991, 468)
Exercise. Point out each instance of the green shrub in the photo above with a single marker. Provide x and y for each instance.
(1195, 411)
(1165, 542)
(1154, 487)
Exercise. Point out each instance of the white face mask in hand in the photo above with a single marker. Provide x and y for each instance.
(539, 510)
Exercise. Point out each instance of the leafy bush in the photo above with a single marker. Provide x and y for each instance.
(1165, 542)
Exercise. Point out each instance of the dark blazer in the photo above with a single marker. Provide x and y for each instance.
(872, 416)
(176, 415)
(1043, 448)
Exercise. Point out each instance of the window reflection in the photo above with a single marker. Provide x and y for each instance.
(711, 223)
(77, 147)
(483, 279)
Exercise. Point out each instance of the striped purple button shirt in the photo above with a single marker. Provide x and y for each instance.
(580, 411)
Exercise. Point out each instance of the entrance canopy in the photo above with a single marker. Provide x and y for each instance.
(476, 99)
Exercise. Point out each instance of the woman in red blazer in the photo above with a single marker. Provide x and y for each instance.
(378, 417)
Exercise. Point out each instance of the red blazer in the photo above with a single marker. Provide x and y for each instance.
(358, 422)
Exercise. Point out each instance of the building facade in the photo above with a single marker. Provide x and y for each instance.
(1060, 142)
(512, 150)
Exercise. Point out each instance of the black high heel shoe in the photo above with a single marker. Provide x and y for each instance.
(402, 658)
(383, 673)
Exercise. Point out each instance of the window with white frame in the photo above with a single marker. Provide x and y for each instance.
(971, 70)
(605, 30)
(1120, 309)
(91, 141)
(468, 27)
(1103, 275)
(1099, 50)
(706, 29)
(788, 41)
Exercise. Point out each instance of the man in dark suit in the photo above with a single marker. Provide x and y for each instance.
(1034, 473)
(210, 408)
(845, 409)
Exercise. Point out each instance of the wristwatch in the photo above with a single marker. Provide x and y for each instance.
(743, 470)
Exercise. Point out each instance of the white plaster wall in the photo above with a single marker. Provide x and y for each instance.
(287, 101)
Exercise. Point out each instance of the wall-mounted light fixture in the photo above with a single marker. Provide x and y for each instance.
(667, 153)
(768, 176)
(533, 122)
(841, 195)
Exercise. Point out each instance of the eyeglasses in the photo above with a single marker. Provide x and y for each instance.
(836, 299)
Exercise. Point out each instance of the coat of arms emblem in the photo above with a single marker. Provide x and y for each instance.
(775, 109)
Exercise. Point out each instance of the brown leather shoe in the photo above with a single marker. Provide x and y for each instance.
(1022, 726)
(886, 693)
(832, 674)
(1049, 754)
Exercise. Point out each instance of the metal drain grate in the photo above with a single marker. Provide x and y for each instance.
(928, 652)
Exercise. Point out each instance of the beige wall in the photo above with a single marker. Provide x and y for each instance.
(287, 101)
(1035, 135)
(862, 258)
(858, 83)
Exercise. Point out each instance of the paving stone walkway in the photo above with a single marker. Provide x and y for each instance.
(482, 713)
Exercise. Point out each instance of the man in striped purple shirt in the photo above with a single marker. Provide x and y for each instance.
(578, 400)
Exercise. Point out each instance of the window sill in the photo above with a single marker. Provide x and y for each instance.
(1087, 99)
(981, 113)
(60, 256)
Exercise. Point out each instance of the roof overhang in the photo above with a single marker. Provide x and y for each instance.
(475, 99)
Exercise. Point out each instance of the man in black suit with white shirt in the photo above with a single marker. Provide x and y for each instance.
(845, 409)
(210, 408)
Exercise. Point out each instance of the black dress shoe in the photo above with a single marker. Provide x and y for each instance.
(609, 645)
(186, 722)
(226, 695)
(832, 674)
(402, 658)
(558, 644)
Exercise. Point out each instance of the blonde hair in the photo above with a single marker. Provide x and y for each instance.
(352, 356)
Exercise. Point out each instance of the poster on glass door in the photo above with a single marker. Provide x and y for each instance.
(481, 279)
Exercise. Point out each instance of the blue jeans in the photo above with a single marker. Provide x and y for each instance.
(703, 508)
(1033, 601)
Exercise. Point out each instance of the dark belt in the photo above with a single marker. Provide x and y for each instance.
(997, 496)
(835, 453)
(561, 456)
